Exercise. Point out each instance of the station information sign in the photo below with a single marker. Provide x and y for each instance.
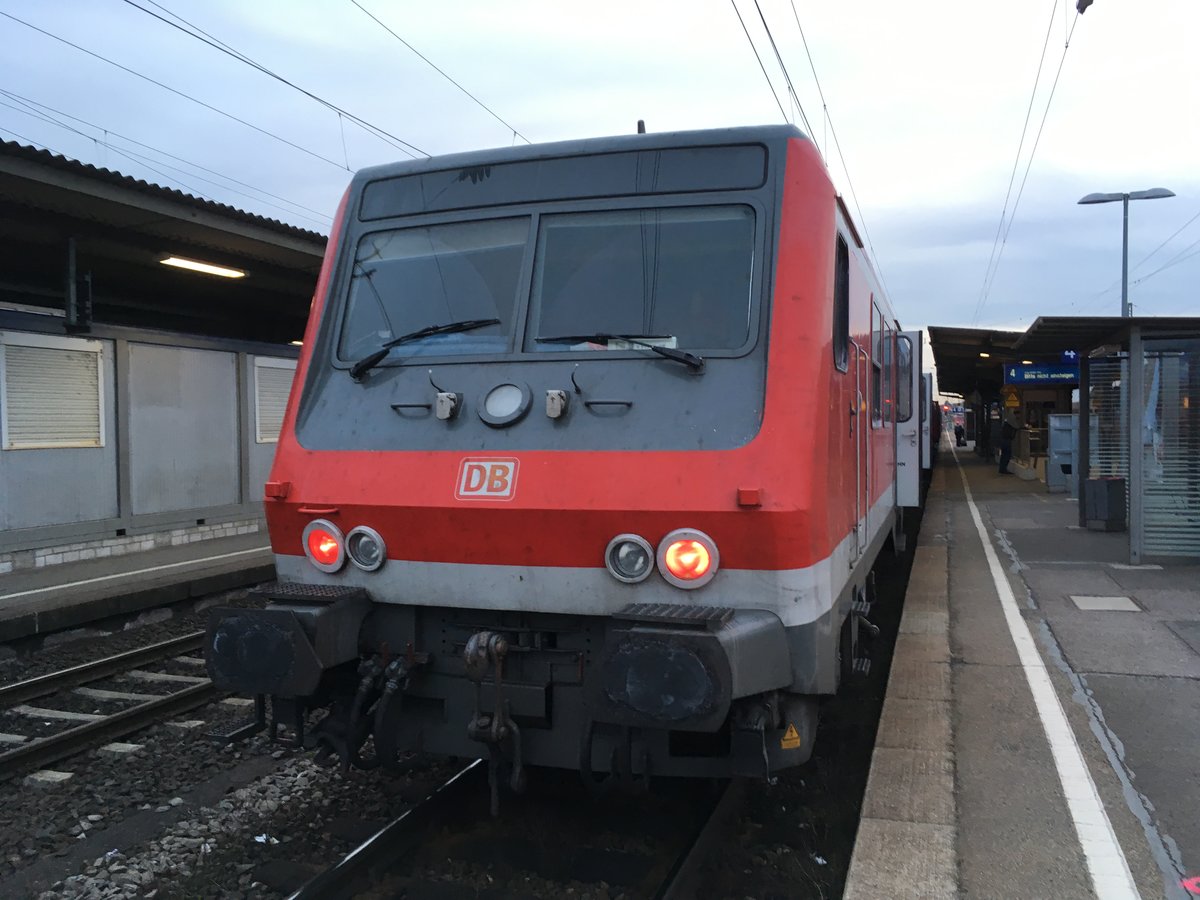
(1052, 373)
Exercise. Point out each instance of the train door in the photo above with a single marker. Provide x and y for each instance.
(927, 436)
(860, 425)
(908, 418)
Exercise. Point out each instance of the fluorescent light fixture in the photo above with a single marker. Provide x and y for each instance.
(1027, 362)
(207, 268)
(985, 356)
(296, 343)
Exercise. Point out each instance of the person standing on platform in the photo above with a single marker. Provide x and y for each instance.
(1008, 431)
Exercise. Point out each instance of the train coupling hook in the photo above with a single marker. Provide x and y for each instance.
(485, 651)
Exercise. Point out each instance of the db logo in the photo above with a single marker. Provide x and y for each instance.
(486, 479)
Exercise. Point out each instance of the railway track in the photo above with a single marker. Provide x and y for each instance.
(675, 873)
(68, 685)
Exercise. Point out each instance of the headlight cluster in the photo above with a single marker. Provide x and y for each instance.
(686, 558)
(327, 549)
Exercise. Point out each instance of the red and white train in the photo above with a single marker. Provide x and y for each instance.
(590, 451)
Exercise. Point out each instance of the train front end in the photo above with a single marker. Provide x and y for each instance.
(546, 484)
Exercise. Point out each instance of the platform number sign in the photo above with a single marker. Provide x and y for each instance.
(486, 479)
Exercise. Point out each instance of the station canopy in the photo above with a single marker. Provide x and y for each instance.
(122, 229)
(1051, 335)
(963, 367)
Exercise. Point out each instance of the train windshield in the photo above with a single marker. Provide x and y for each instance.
(679, 277)
(676, 277)
(406, 280)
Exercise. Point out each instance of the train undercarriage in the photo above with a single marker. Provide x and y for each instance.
(652, 690)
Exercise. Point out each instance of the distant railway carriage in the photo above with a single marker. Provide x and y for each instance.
(589, 453)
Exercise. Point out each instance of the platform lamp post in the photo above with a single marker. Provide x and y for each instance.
(1152, 194)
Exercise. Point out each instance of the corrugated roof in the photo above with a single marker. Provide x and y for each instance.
(1051, 334)
(960, 368)
(62, 163)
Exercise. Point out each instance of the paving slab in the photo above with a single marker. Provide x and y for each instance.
(922, 648)
(1123, 644)
(1104, 604)
(1015, 835)
(1035, 544)
(1176, 603)
(1187, 631)
(1162, 749)
(911, 786)
(1169, 578)
(924, 622)
(1058, 583)
(914, 725)
(902, 861)
(916, 679)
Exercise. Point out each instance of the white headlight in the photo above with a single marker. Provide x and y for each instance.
(365, 548)
(629, 558)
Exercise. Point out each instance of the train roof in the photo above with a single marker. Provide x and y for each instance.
(763, 134)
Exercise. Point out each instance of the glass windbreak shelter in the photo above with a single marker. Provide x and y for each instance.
(1139, 415)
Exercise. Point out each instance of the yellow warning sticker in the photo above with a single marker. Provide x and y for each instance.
(790, 739)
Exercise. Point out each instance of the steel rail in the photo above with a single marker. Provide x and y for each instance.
(380, 851)
(685, 880)
(47, 750)
(101, 668)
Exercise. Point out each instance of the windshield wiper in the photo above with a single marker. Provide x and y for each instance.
(691, 360)
(367, 363)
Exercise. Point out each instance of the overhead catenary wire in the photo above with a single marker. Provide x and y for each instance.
(771, 86)
(783, 68)
(1025, 176)
(838, 146)
(987, 273)
(1141, 262)
(34, 106)
(432, 65)
(1029, 163)
(31, 142)
(1173, 261)
(202, 36)
(176, 91)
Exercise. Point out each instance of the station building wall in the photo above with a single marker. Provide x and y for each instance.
(124, 440)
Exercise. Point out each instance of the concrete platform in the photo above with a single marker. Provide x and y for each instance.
(1030, 745)
(70, 595)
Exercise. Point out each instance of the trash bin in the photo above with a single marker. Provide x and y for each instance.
(1105, 499)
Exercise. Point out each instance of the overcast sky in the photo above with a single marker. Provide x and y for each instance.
(928, 99)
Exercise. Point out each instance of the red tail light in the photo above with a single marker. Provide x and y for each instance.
(688, 558)
(324, 545)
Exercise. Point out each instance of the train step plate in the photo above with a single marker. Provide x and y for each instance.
(690, 616)
(309, 593)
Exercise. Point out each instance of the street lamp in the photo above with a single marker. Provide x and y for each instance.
(1152, 194)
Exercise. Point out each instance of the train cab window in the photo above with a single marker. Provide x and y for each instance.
(841, 306)
(407, 279)
(904, 376)
(876, 366)
(680, 276)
